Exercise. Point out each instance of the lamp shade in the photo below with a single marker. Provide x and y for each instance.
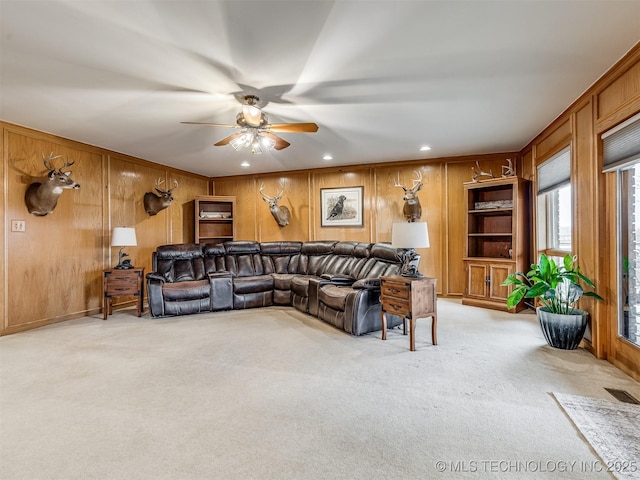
(410, 235)
(123, 237)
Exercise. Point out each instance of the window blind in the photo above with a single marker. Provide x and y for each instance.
(621, 145)
(555, 172)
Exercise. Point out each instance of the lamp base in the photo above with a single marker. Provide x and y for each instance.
(410, 262)
(122, 263)
(125, 266)
(411, 274)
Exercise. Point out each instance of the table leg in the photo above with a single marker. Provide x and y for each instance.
(384, 325)
(105, 307)
(412, 334)
(434, 325)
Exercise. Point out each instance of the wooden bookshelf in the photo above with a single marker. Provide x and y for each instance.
(214, 217)
(496, 241)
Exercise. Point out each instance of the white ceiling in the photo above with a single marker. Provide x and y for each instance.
(380, 78)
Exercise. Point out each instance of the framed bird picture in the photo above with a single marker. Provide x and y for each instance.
(341, 207)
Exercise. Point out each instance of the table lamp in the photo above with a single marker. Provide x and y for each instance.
(123, 237)
(410, 235)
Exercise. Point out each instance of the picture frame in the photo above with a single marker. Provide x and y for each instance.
(341, 207)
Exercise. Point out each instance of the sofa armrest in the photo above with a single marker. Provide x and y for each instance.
(368, 284)
(220, 274)
(156, 277)
(343, 280)
(155, 298)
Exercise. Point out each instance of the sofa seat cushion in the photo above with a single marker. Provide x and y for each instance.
(282, 281)
(333, 296)
(190, 290)
(258, 283)
(300, 285)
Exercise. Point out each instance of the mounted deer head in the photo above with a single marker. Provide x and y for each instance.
(153, 203)
(412, 209)
(280, 213)
(42, 198)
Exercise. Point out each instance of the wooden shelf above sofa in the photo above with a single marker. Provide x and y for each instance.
(214, 218)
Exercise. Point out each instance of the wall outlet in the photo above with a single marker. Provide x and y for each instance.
(18, 225)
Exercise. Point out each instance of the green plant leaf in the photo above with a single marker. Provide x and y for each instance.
(515, 296)
(568, 262)
(585, 279)
(593, 295)
(538, 290)
(544, 265)
(511, 280)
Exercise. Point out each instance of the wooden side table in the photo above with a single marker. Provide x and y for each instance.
(409, 298)
(122, 283)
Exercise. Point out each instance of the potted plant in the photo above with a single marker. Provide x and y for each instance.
(558, 289)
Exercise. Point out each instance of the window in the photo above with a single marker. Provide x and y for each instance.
(554, 205)
(621, 154)
(629, 253)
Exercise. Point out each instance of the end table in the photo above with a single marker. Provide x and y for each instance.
(122, 283)
(409, 298)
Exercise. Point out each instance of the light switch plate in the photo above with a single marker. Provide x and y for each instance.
(18, 225)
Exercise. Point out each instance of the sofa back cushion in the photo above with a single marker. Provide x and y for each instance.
(362, 253)
(313, 256)
(180, 263)
(214, 254)
(383, 260)
(342, 260)
(280, 257)
(243, 258)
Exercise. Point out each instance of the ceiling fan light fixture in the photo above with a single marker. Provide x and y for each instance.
(252, 115)
(256, 149)
(261, 143)
(242, 141)
(267, 142)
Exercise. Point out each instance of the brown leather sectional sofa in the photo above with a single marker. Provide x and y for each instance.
(337, 282)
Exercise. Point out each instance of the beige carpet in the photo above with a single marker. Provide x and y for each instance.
(275, 394)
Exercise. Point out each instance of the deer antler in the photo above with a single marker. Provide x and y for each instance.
(396, 183)
(66, 164)
(269, 199)
(417, 182)
(277, 198)
(265, 197)
(47, 161)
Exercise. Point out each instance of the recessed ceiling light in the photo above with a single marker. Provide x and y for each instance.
(425, 148)
(245, 164)
(327, 157)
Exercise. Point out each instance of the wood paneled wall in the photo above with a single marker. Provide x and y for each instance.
(610, 101)
(442, 200)
(53, 270)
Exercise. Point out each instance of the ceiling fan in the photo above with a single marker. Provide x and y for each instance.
(257, 132)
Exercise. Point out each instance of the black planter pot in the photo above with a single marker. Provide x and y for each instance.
(563, 331)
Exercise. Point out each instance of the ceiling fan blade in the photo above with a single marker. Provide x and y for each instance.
(293, 127)
(227, 140)
(212, 124)
(280, 142)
